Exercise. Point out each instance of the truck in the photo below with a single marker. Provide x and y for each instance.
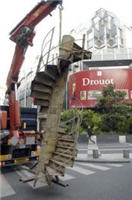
(58, 148)
(20, 150)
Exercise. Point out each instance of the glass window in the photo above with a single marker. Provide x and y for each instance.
(99, 73)
(83, 95)
(125, 90)
(94, 94)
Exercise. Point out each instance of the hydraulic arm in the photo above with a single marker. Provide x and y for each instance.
(23, 35)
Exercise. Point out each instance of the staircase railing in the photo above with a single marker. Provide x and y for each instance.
(46, 43)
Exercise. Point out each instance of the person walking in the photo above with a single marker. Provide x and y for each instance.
(90, 133)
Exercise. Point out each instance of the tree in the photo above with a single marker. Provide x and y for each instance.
(112, 114)
(92, 119)
(116, 112)
(109, 98)
(88, 118)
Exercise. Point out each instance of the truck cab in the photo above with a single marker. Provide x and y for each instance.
(26, 147)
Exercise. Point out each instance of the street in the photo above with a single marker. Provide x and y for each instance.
(100, 181)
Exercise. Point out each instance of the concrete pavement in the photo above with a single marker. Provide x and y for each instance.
(104, 158)
(108, 153)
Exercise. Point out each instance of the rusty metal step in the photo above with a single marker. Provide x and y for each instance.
(53, 172)
(52, 69)
(72, 152)
(40, 102)
(64, 155)
(66, 139)
(65, 144)
(65, 160)
(42, 115)
(42, 79)
(40, 88)
(58, 166)
(40, 95)
(57, 162)
(44, 110)
(65, 147)
(50, 75)
(46, 77)
(61, 131)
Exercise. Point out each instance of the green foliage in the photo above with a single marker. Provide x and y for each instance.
(67, 115)
(129, 125)
(116, 112)
(92, 119)
(113, 122)
(112, 115)
(69, 120)
(109, 99)
(89, 118)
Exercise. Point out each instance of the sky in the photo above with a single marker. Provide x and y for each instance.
(75, 12)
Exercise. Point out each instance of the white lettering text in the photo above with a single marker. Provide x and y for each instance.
(87, 81)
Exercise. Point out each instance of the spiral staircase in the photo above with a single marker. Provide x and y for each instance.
(58, 149)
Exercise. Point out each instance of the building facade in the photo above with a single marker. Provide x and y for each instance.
(2, 94)
(106, 40)
(85, 87)
(105, 31)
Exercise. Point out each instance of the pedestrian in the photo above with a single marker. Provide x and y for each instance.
(90, 133)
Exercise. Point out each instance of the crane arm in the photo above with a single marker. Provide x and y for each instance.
(39, 12)
(23, 35)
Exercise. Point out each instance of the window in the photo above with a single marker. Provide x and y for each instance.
(83, 95)
(99, 73)
(125, 90)
(94, 94)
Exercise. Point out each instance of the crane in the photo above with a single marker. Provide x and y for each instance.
(58, 149)
(23, 35)
(16, 142)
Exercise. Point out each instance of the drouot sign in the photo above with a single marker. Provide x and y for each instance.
(87, 81)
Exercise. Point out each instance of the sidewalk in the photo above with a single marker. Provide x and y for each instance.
(106, 145)
(104, 158)
(108, 152)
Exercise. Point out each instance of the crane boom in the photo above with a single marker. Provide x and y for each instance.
(23, 35)
(39, 12)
